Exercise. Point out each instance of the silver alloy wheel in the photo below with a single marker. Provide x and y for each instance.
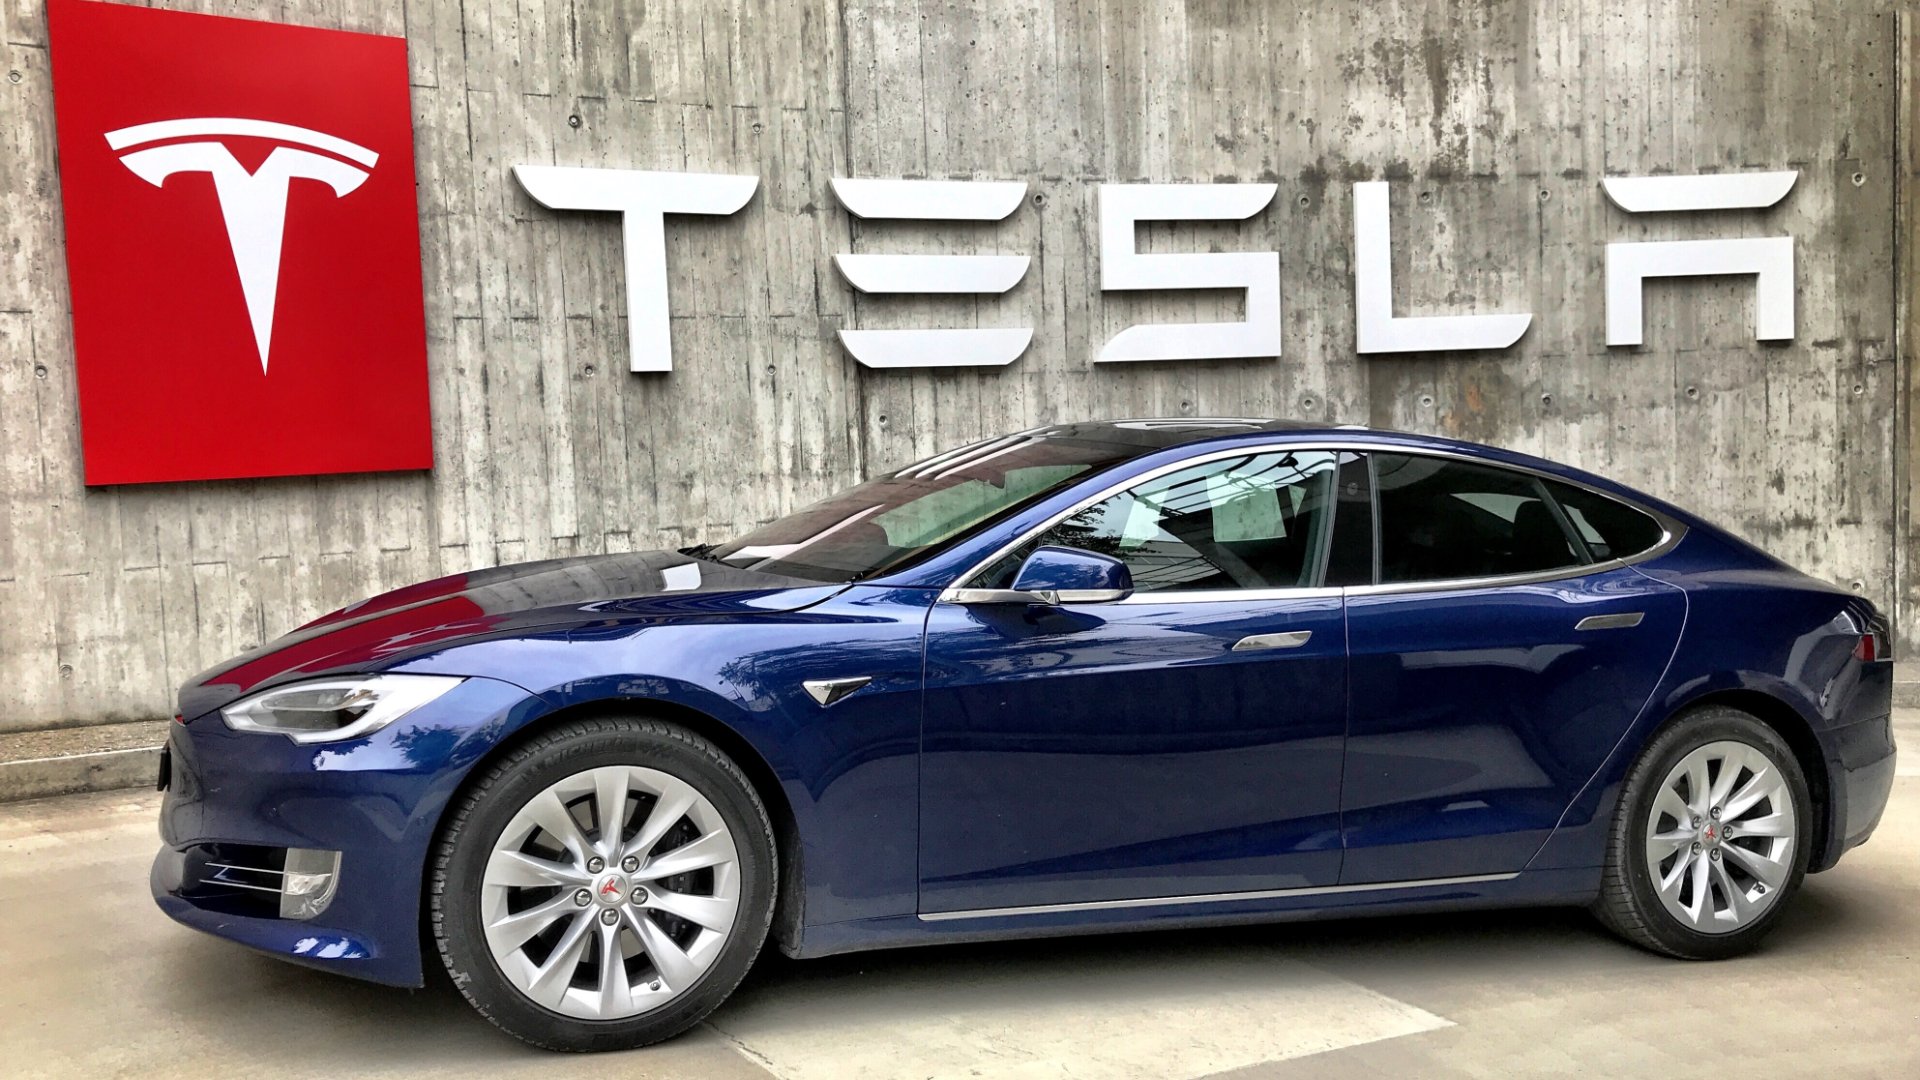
(611, 892)
(1720, 837)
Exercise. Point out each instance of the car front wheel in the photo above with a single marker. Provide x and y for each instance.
(603, 886)
(1710, 838)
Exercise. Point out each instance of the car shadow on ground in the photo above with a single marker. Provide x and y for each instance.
(1459, 945)
(232, 995)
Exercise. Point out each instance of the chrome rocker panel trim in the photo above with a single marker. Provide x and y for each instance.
(1212, 898)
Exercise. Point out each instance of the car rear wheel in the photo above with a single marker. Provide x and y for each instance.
(604, 886)
(1710, 839)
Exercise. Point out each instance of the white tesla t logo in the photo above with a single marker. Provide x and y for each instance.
(254, 204)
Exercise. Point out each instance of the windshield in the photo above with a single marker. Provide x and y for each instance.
(894, 519)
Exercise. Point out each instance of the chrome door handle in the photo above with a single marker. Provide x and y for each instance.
(1611, 622)
(1292, 639)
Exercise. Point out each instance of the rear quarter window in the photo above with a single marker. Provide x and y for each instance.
(1611, 530)
(1442, 519)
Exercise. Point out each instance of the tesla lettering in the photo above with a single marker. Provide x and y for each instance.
(933, 200)
(1376, 328)
(1124, 206)
(1768, 258)
(644, 197)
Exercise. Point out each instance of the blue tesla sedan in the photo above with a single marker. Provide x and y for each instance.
(1086, 677)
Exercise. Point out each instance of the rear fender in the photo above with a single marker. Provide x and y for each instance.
(1802, 682)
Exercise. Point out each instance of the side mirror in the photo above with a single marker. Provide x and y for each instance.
(1059, 575)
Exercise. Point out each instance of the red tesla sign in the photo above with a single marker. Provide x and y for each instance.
(242, 245)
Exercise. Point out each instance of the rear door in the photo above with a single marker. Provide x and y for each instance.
(1501, 654)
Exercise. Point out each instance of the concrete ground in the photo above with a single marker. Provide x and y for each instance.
(94, 981)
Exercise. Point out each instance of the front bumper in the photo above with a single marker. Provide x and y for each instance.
(377, 801)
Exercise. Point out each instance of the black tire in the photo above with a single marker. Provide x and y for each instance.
(476, 821)
(1629, 902)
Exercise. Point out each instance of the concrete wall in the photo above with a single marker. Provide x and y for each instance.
(1495, 123)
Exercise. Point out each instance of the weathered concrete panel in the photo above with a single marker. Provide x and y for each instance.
(1494, 124)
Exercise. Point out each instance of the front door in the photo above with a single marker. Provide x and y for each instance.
(1184, 742)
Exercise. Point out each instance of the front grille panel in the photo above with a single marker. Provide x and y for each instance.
(242, 879)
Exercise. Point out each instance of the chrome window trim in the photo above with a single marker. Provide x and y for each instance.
(1227, 596)
(1673, 532)
(1212, 898)
(1054, 597)
(1492, 582)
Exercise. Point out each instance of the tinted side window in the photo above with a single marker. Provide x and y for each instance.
(1611, 530)
(1257, 521)
(1350, 561)
(1442, 519)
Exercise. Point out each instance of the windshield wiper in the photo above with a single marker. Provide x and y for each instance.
(699, 551)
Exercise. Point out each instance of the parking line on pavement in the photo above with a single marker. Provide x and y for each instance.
(1110, 1016)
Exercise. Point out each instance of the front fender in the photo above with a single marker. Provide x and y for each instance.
(848, 771)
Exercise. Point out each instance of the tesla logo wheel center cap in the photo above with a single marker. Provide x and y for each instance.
(610, 889)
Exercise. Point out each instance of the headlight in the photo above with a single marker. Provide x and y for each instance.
(330, 710)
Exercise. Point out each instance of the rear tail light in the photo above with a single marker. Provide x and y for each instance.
(1871, 648)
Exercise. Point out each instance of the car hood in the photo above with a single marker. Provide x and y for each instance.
(552, 595)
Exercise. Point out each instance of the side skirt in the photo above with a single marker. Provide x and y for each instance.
(1533, 888)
